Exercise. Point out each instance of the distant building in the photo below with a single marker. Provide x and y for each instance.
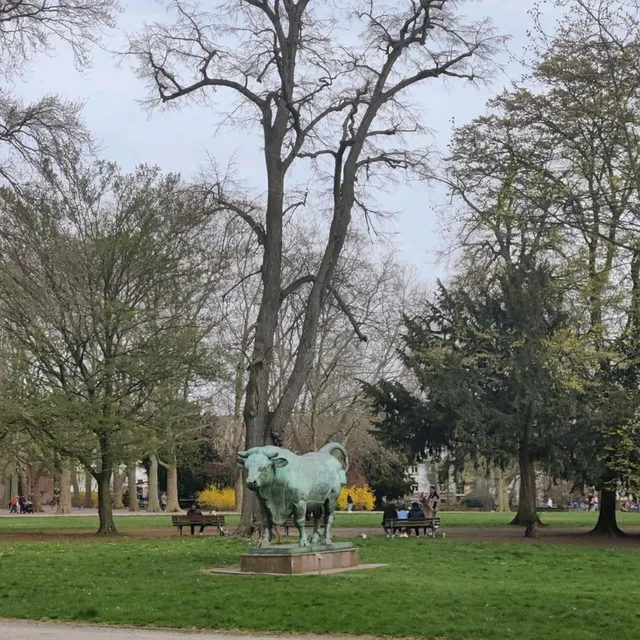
(425, 473)
(419, 474)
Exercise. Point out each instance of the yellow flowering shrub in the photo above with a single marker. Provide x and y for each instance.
(363, 498)
(217, 498)
(94, 498)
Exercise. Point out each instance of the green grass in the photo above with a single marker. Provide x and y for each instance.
(431, 589)
(34, 524)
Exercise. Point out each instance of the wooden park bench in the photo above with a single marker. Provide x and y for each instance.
(290, 523)
(431, 524)
(210, 520)
(552, 509)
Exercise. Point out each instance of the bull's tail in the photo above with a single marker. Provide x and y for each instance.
(334, 446)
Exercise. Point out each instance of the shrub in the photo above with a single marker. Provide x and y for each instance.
(478, 500)
(363, 498)
(218, 498)
(94, 498)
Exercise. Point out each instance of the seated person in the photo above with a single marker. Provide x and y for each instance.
(416, 513)
(195, 511)
(389, 513)
(403, 514)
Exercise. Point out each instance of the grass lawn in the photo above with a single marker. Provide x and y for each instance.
(449, 519)
(431, 589)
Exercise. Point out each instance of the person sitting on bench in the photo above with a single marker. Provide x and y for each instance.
(416, 513)
(389, 513)
(194, 511)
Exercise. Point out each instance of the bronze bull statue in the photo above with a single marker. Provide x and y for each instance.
(287, 484)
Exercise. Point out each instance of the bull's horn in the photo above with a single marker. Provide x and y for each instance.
(249, 452)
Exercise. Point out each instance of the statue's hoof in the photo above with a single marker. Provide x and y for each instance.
(328, 541)
(304, 543)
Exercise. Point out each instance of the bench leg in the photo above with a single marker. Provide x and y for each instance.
(180, 529)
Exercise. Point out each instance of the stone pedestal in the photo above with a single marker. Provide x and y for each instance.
(294, 560)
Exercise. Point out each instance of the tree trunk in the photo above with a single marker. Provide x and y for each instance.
(527, 515)
(118, 486)
(75, 498)
(502, 496)
(607, 524)
(173, 505)
(105, 509)
(15, 489)
(23, 482)
(6, 496)
(239, 488)
(37, 495)
(153, 506)
(64, 484)
(133, 491)
(87, 502)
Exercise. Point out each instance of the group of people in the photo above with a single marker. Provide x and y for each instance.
(591, 503)
(19, 504)
(426, 508)
(630, 505)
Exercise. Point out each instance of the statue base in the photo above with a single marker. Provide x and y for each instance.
(295, 560)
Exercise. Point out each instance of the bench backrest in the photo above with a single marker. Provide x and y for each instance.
(203, 519)
(425, 522)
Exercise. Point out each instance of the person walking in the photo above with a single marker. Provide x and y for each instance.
(14, 505)
(349, 503)
(163, 502)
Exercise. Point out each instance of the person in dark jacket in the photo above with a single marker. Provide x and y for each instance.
(349, 503)
(389, 512)
(195, 511)
(416, 513)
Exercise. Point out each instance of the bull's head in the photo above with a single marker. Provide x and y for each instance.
(260, 464)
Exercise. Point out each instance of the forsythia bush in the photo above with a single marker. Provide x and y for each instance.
(94, 498)
(218, 498)
(363, 498)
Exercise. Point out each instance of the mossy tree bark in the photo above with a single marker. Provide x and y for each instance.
(133, 491)
(105, 508)
(527, 515)
(64, 484)
(153, 506)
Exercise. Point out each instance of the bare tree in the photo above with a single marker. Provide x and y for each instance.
(31, 132)
(335, 105)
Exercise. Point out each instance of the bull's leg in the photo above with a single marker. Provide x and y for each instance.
(300, 515)
(267, 524)
(329, 508)
(317, 516)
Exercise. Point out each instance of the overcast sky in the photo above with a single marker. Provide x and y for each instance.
(180, 140)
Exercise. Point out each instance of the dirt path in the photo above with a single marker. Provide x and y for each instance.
(548, 535)
(19, 630)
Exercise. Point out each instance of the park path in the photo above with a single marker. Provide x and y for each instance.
(22, 630)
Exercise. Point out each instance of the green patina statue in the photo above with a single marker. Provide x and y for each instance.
(287, 484)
